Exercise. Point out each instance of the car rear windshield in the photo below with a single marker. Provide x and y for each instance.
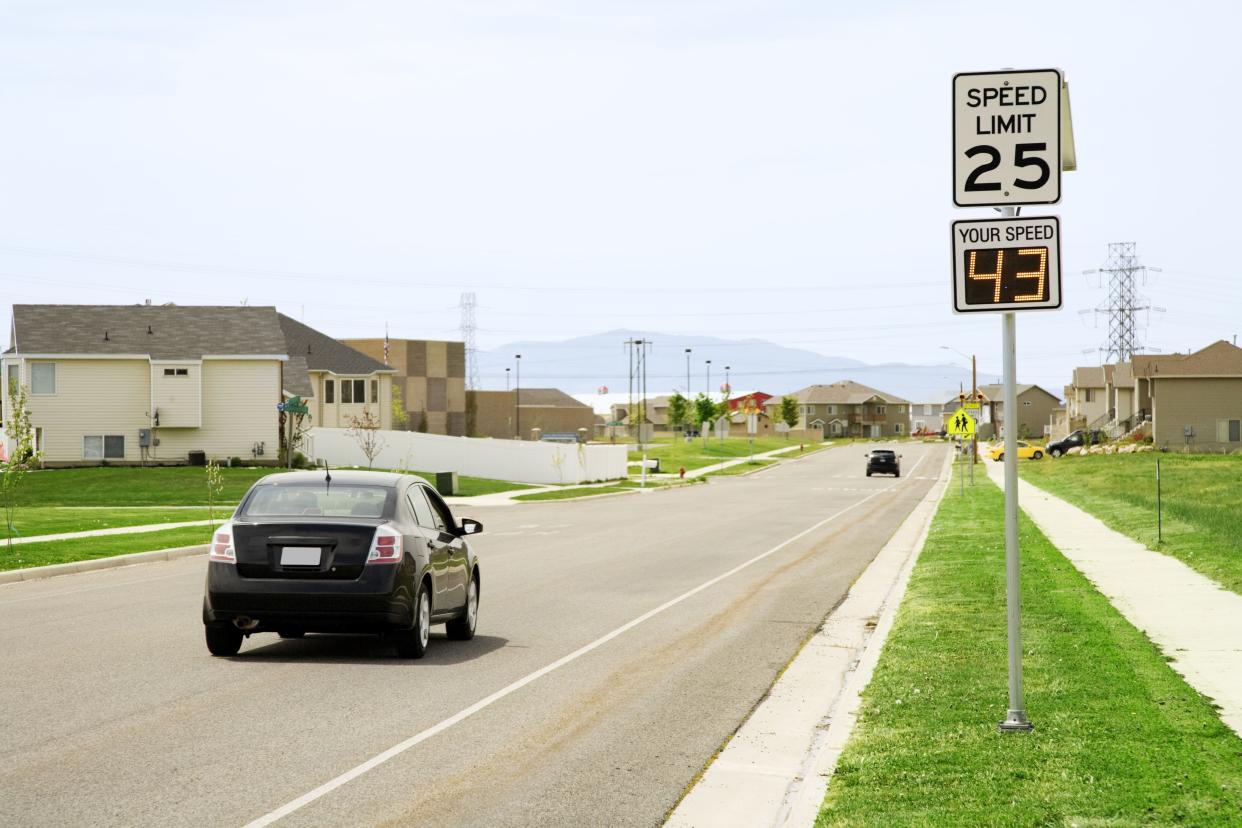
(319, 500)
(883, 455)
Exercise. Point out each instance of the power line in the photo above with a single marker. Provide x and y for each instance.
(1124, 302)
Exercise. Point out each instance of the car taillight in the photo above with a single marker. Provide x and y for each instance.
(222, 549)
(386, 548)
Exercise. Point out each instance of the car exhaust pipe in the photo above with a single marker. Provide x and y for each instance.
(245, 623)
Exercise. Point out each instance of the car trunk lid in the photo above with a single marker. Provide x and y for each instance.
(322, 550)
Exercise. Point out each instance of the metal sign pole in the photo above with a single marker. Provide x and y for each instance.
(1015, 719)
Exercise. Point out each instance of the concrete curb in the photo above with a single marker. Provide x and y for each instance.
(775, 769)
(35, 573)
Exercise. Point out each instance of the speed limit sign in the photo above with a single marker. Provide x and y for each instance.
(1007, 138)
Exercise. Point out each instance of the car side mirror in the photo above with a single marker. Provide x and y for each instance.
(470, 526)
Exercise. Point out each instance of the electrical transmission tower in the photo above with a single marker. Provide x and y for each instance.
(1124, 301)
(468, 328)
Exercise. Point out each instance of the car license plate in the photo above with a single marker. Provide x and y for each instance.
(299, 555)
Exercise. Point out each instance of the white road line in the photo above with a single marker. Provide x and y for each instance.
(401, 747)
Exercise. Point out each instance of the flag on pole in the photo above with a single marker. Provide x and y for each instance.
(385, 343)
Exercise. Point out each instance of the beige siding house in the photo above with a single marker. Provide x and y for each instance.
(846, 409)
(130, 384)
(338, 383)
(144, 383)
(1194, 400)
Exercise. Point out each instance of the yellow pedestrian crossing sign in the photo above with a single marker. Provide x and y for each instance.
(961, 424)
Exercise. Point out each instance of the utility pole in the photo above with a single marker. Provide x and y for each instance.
(687, 373)
(517, 398)
(1124, 301)
(629, 411)
(468, 329)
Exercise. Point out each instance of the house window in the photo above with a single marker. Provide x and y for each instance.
(1026, 402)
(927, 410)
(15, 378)
(43, 378)
(1228, 431)
(360, 391)
(832, 409)
(1090, 395)
(809, 409)
(176, 372)
(896, 428)
(879, 409)
(103, 447)
(347, 391)
(374, 390)
(329, 391)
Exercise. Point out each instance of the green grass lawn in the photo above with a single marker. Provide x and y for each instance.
(85, 549)
(695, 454)
(132, 486)
(1202, 512)
(118, 486)
(47, 520)
(1119, 738)
(569, 494)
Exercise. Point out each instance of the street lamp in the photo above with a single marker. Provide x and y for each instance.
(727, 389)
(709, 377)
(507, 370)
(517, 398)
(687, 373)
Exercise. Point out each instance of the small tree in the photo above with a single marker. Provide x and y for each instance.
(789, 412)
(400, 417)
(678, 410)
(21, 460)
(366, 433)
(704, 409)
(215, 487)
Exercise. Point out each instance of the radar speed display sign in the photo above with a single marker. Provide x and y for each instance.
(1006, 264)
(1007, 138)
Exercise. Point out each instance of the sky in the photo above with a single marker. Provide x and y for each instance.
(776, 170)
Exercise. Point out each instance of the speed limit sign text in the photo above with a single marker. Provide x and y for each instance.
(1007, 138)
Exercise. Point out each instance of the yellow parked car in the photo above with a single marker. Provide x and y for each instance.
(1025, 451)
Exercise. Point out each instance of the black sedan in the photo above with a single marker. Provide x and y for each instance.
(350, 552)
(883, 461)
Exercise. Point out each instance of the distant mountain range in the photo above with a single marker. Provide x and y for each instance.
(585, 364)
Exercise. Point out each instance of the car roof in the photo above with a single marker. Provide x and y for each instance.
(355, 477)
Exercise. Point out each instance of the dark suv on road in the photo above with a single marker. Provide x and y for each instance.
(883, 461)
(1076, 438)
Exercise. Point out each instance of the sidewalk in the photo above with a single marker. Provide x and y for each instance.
(118, 530)
(1194, 621)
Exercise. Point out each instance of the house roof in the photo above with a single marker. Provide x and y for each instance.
(1123, 374)
(323, 353)
(844, 392)
(157, 331)
(1220, 359)
(548, 398)
(1089, 377)
(996, 392)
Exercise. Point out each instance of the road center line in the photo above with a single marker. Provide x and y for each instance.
(401, 747)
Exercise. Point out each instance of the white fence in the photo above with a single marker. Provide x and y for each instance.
(524, 462)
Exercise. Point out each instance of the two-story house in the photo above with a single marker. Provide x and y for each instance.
(131, 384)
(847, 409)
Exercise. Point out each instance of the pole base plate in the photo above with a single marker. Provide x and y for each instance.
(1016, 722)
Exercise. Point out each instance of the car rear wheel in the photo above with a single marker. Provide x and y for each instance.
(412, 643)
(223, 640)
(462, 629)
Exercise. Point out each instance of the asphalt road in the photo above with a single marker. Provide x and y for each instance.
(689, 602)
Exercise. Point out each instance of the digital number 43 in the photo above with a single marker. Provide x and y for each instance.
(1021, 159)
